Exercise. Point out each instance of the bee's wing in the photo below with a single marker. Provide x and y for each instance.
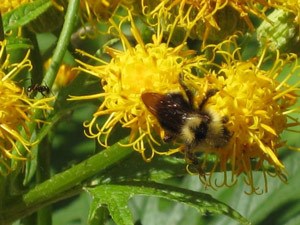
(171, 110)
(152, 101)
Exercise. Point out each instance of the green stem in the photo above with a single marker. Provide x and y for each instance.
(8, 216)
(44, 215)
(2, 38)
(63, 183)
(63, 42)
(59, 52)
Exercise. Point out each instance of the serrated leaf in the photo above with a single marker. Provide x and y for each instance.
(116, 202)
(282, 201)
(67, 216)
(99, 216)
(25, 14)
(160, 168)
(116, 197)
(17, 43)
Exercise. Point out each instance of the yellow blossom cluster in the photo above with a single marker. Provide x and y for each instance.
(253, 101)
(213, 20)
(102, 9)
(145, 67)
(256, 105)
(8, 5)
(16, 113)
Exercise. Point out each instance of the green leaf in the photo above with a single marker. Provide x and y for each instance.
(16, 43)
(67, 216)
(25, 14)
(135, 168)
(282, 204)
(116, 197)
(279, 206)
(281, 33)
(115, 201)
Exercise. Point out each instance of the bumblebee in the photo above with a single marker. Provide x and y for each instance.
(34, 88)
(197, 127)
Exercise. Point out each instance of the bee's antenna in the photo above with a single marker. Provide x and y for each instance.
(208, 94)
(187, 91)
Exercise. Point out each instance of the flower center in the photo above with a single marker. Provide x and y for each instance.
(138, 77)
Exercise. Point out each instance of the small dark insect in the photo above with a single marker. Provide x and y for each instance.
(197, 128)
(34, 88)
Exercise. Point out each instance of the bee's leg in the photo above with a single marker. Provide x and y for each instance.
(190, 95)
(226, 133)
(193, 163)
(225, 119)
(208, 94)
(187, 91)
(190, 157)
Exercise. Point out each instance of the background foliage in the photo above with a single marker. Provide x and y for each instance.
(90, 186)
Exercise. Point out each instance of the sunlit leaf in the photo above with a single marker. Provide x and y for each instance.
(25, 14)
(116, 197)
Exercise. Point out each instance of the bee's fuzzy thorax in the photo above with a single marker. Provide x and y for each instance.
(204, 130)
(187, 131)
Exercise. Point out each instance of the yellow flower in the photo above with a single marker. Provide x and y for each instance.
(8, 5)
(94, 10)
(208, 20)
(289, 5)
(64, 77)
(251, 99)
(256, 106)
(15, 114)
(144, 67)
